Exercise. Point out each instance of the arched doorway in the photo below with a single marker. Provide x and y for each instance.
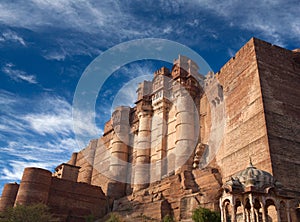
(227, 210)
(271, 211)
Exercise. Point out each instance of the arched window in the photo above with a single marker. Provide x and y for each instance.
(271, 210)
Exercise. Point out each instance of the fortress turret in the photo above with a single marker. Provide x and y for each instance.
(8, 197)
(34, 186)
(144, 112)
(119, 151)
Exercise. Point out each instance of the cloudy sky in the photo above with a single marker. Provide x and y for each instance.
(45, 46)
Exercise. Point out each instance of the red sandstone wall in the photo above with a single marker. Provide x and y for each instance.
(245, 132)
(69, 200)
(102, 162)
(34, 186)
(82, 162)
(205, 119)
(85, 160)
(257, 103)
(9, 194)
(72, 200)
(280, 80)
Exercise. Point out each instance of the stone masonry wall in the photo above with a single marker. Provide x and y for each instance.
(67, 200)
(245, 133)
(279, 72)
(73, 201)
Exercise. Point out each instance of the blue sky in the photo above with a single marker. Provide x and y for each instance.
(45, 45)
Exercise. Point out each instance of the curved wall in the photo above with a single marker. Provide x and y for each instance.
(9, 194)
(34, 186)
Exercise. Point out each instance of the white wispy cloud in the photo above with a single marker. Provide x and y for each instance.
(55, 55)
(83, 15)
(13, 37)
(127, 95)
(278, 21)
(55, 118)
(113, 22)
(136, 73)
(7, 98)
(41, 136)
(15, 168)
(87, 27)
(50, 116)
(18, 75)
(33, 152)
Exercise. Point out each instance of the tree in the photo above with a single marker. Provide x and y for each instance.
(205, 215)
(30, 213)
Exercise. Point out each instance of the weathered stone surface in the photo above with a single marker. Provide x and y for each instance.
(172, 196)
(76, 200)
(9, 195)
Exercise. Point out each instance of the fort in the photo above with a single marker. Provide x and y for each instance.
(229, 141)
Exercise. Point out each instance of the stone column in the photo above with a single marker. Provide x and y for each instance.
(222, 210)
(233, 212)
(288, 213)
(159, 138)
(87, 168)
(249, 216)
(277, 206)
(264, 216)
(253, 218)
(263, 209)
(119, 152)
(257, 214)
(142, 174)
(243, 207)
(224, 214)
(185, 132)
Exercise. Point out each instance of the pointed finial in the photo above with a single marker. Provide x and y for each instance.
(250, 162)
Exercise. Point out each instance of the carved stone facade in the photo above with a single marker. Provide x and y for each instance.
(254, 195)
(187, 136)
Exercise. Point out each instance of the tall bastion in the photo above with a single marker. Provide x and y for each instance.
(229, 141)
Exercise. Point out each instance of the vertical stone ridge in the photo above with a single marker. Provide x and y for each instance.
(119, 152)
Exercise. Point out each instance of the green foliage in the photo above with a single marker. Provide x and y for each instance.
(114, 218)
(168, 218)
(90, 218)
(31, 213)
(205, 215)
